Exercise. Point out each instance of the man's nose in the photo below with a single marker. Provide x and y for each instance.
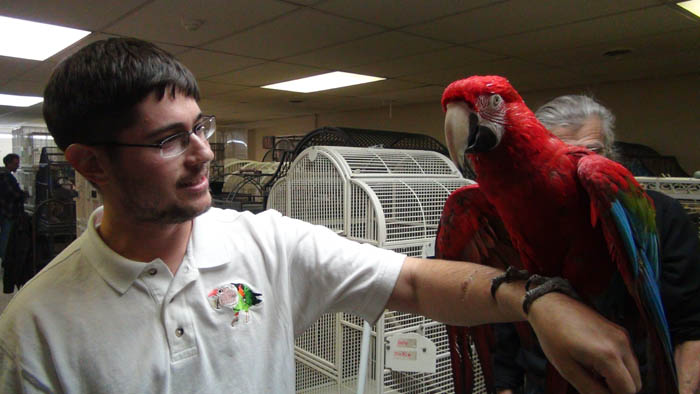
(200, 149)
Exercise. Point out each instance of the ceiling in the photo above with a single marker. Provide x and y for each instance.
(419, 46)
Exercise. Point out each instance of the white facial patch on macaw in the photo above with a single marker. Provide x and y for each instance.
(492, 112)
(236, 297)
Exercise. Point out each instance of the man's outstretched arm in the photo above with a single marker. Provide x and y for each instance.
(593, 354)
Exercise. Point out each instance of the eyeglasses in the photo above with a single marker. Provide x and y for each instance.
(176, 144)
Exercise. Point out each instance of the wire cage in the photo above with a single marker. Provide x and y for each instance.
(685, 190)
(390, 198)
(54, 222)
(347, 136)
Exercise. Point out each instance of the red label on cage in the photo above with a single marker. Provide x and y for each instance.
(405, 355)
(406, 342)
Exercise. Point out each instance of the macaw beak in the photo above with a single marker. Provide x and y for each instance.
(464, 134)
(481, 138)
(457, 131)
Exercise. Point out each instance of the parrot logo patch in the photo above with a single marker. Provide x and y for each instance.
(238, 297)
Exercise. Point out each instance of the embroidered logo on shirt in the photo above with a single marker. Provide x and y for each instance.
(235, 296)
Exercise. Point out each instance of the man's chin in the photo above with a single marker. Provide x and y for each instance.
(181, 214)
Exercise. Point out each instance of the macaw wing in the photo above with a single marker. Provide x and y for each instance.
(627, 218)
(471, 230)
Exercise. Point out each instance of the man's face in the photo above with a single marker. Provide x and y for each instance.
(13, 165)
(589, 135)
(149, 188)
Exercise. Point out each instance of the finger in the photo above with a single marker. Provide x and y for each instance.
(633, 367)
(584, 381)
(618, 377)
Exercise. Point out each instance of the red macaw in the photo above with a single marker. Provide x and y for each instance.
(551, 208)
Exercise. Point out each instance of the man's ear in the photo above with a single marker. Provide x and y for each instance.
(88, 161)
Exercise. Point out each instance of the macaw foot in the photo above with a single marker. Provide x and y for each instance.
(511, 275)
(544, 285)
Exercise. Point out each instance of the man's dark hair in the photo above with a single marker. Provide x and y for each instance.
(92, 95)
(9, 158)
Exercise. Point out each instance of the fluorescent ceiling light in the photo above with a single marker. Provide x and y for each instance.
(19, 101)
(333, 80)
(33, 40)
(692, 6)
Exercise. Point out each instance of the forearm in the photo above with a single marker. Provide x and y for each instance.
(687, 358)
(586, 349)
(456, 293)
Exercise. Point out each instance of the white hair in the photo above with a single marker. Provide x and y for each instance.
(572, 111)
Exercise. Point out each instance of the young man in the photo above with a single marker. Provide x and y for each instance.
(163, 294)
(580, 120)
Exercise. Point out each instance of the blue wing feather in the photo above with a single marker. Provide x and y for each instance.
(628, 222)
(645, 264)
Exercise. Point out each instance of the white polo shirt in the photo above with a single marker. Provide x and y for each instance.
(95, 322)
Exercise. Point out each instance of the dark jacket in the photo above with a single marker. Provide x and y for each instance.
(11, 196)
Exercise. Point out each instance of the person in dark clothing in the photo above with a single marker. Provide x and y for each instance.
(522, 367)
(11, 199)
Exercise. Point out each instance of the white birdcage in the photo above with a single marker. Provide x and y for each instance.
(685, 190)
(387, 197)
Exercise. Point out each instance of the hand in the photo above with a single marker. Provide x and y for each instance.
(687, 357)
(506, 391)
(590, 352)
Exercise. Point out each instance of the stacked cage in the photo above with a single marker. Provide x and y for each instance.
(685, 190)
(389, 198)
(27, 142)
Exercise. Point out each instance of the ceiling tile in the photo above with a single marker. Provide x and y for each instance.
(415, 95)
(11, 67)
(209, 90)
(249, 95)
(162, 20)
(80, 14)
(368, 50)
(635, 67)
(294, 33)
(204, 63)
(397, 13)
(424, 62)
(506, 18)
(40, 73)
(522, 75)
(618, 27)
(21, 115)
(265, 74)
(367, 89)
(23, 88)
(654, 45)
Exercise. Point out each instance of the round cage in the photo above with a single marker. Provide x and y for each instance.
(387, 197)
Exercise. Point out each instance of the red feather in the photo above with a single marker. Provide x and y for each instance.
(530, 186)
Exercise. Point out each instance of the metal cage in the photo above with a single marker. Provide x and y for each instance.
(390, 198)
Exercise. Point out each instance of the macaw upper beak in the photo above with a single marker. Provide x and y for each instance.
(456, 131)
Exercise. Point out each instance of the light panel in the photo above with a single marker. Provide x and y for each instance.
(692, 6)
(19, 101)
(316, 83)
(34, 40)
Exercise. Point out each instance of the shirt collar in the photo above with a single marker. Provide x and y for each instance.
(208, 246)
(118, 271)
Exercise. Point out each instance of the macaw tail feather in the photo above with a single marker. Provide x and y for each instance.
(643, 253)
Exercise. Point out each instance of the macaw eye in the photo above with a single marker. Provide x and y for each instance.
(495, 101)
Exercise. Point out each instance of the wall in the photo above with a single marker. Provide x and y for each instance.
(663, 114)
(5, 142)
